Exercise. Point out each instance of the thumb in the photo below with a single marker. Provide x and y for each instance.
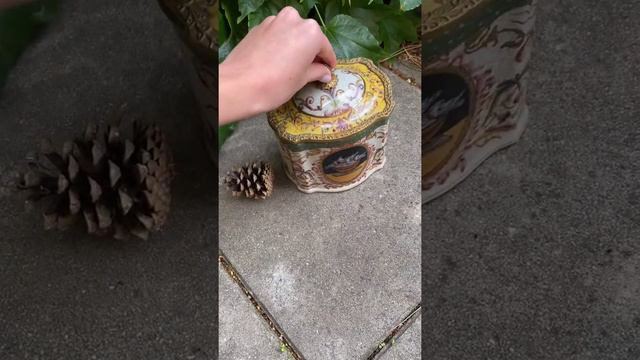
(318, 72)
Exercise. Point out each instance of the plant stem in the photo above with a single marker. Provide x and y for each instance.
(403, 48)
(398, 52)
(319, 16)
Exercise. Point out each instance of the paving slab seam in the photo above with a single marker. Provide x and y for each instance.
(285, 341)
(411, 81)
(395, 333)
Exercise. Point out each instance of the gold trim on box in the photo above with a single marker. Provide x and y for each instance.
(436, 14)
(196, 22)
(279, 118)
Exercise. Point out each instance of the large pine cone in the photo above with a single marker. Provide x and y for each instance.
(254, 181)
(118, 185)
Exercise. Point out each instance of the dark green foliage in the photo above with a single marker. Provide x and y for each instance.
(18, 25)
(374, 29)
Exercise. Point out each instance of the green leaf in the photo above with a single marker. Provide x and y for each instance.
(406, 5)
(306, 5)
(248, 6)
(236, 31)
(18, 26)
(374, 15)
(396, 29)
(387, 23)
(225, 49)
(335, 7)
(267, 9)
(224, 132)
(224, 29)
(371, 17)
(350, 38)
(273, 7)
(331, 9)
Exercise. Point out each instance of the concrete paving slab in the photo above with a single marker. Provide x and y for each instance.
(536, 255)
(335, 270)
(69, 296)
(242, 333)
(407, 346)
(406, 70)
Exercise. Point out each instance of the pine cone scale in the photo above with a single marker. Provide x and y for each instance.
(254, 181)
(114, 184)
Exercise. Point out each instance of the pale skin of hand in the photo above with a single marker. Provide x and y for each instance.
(275, 60)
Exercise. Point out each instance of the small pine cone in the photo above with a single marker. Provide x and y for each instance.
(254, 181)
(116, 184)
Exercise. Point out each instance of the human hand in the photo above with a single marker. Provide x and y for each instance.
(275, 60)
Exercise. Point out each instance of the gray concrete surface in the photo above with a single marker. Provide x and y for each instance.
(407, 347)
(537, 254)
(243, 334)
(336, 270)
(67, 296)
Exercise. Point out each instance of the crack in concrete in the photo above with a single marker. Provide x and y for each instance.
(395, 333)
(403, 75)
(285, 343)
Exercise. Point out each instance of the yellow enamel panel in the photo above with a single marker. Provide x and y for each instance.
(301, 119)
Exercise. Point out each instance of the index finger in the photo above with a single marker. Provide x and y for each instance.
(326, 52)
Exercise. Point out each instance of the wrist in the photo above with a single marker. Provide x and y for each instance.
(239, 94)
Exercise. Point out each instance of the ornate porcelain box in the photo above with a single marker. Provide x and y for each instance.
(332, 135)
(196, 23)
(474, 77)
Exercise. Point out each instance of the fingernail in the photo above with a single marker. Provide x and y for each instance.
(326, 78)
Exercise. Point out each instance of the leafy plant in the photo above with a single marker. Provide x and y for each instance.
(224, 132)
(18, 25)
(374, 29)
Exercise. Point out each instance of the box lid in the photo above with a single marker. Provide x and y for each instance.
(447, 24)
(358, 95)
(197, 24)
